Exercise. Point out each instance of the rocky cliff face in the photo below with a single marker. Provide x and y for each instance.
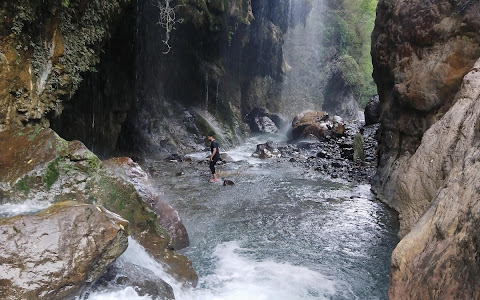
(419, 66)
(44, 47)
(439, 258)
(427, 71)
(225, 59)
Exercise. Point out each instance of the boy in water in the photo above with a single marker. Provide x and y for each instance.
(214, 157)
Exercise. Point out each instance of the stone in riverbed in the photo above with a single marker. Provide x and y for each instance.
(55, 253)
(124, 274)
(267, 150)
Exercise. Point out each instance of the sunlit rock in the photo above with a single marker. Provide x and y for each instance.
(53, 254)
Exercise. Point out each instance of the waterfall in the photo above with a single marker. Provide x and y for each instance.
(302, 53)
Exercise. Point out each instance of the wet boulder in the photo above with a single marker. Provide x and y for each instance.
(121, 275)
(261, 121)
(58, 251)
(168, 218)
(39, 165)
(372, 111)
(316, 124)
(267, 150)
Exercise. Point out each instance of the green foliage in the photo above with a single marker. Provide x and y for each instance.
(81, 25)
(22, 185)
(348, 27)
(52, 174)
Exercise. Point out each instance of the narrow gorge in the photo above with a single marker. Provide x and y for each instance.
(105, 106)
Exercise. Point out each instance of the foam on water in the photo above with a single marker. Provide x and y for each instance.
(237, 276)
(27, 207)
(126, 294)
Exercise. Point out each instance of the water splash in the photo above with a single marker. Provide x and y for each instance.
(127, 293)
(25, 208)
(238, 276)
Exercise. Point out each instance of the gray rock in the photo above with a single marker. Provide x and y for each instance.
(372, 111)
(55, 253)
(438, 197)
(225, 157)
(123, 274)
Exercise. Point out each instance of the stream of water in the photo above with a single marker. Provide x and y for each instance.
(281, 232)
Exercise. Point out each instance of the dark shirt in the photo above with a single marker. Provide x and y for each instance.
(214, 144)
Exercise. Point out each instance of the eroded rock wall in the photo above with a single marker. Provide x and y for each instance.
(421, 51)
(44, 48)
(439, 258)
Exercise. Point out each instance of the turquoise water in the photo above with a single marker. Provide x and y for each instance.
(280, 232)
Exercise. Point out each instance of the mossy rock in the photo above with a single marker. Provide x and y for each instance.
(36, 164)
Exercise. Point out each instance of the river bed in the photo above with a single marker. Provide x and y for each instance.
(281, 232)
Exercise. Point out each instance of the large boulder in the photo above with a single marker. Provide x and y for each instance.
(372, 111)
(55, 253)
(261, 121)
(122, 274)
(168, 218)
(438, 196)
(39, 165)
(316, 124)
(339, 98)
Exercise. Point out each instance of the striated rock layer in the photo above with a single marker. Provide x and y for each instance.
(439, 258)
(427, 71)
(419, 66)
(53, 254)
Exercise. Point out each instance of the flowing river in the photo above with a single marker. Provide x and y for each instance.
(281, 232)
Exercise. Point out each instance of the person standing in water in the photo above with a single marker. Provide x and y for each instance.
(358, 153)
(214, 157)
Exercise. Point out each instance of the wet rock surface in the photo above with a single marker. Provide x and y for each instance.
(168, 218)
(123, 274)
(57, 252)
(38, 165)
(267, 150)
(316, 125)
(372, 111)
(261, 121)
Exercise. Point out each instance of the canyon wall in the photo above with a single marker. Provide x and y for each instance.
(226, 58)
(419, 66)
(44, 48)
(426, 65)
